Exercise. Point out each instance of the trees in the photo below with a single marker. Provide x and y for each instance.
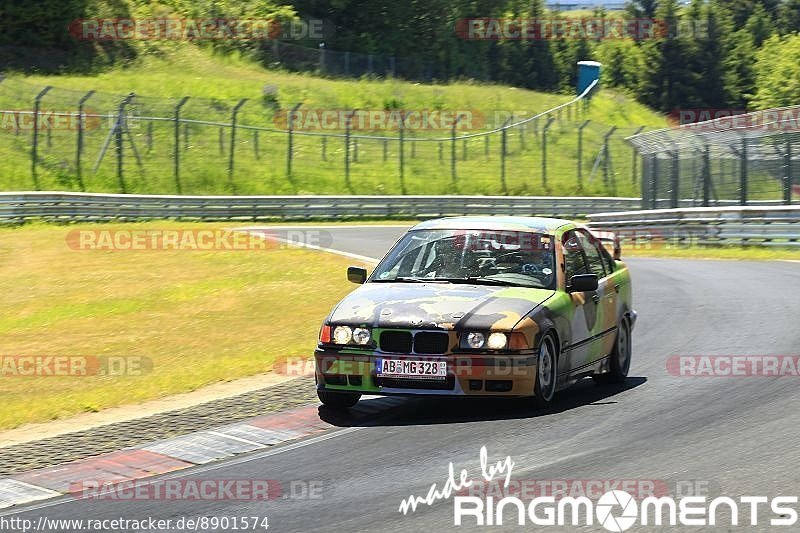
(777, 73)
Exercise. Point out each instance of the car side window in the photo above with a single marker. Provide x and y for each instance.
(594, 258)
(574, 260)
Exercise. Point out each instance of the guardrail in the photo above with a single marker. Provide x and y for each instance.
(68, 207)
(753, 225)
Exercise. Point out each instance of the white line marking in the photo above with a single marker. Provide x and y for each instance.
(233, 437)
(358, 257)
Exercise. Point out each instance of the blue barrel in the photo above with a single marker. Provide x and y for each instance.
(588, 72)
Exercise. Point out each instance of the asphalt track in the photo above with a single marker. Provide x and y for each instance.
(732, 436)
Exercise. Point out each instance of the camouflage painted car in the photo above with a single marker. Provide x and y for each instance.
(480, 306)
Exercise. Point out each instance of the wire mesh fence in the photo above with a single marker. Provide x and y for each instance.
(60, 139)
(744, 159)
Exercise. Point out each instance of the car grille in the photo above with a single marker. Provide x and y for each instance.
(396, 341)
(423, 342)
(430, 342)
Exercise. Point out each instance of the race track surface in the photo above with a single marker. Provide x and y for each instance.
(735, 436)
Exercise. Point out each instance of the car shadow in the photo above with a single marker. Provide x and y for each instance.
(405, 410)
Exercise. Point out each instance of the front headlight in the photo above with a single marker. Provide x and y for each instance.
(342, 335)
(475, 340)
(361, 336)
(497, 341)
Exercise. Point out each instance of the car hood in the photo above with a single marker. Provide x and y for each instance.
(437, 305)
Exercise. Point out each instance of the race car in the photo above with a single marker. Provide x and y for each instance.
(480, 306)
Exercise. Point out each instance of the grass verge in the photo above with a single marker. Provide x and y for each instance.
(195, 317)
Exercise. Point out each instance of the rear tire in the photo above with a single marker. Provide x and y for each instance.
(338, 400)
(619, 361)
(546, 372)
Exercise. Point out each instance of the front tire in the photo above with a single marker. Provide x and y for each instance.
(546, 371)
(620, 358)
(338, 400)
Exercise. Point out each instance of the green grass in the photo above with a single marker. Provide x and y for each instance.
(742, 253)
(197, 317)
(217, 82)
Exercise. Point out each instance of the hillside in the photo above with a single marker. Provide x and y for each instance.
(216, 82)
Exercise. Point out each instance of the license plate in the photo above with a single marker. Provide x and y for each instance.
(409, 368)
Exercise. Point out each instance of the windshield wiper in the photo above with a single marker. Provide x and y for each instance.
(477, 280)
(404, 279)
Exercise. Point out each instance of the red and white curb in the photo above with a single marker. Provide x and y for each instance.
(176, 453)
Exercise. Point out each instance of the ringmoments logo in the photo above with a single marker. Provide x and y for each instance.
(615, 510)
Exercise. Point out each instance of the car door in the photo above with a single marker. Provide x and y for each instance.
(584, 308)
(604, 320)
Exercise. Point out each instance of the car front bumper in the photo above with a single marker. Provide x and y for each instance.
(467, 374)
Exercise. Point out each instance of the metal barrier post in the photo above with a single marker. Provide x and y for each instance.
(635, 160)
(788, 175)
(347, 126)
(743, 174)
(550, 121)
(176, 148)
(453, 149)
(580, 154)
(119, 128)
(503, 144)
(675, 179)
(290, 141)
(401, 155)
(37, 102)
(79, 147)
(706, 176)
(232, 151)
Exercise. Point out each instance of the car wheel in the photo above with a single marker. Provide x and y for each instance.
(620, 359)
(546, 371)
(338, 400)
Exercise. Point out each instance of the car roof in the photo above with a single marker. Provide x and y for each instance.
(533, 224)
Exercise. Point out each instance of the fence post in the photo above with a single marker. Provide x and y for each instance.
(607, 161)
(79, 147)
(290, 141)
(675, 178)
(503, 144)
(176, 149)
(347, 126)
(401, 155)
(37, 102)
(743, 174)
(453, 149)
(580, 154)
(232, 150)
(654, 183)
(706, 176)
(118, 131)
(635, 158)
(549, 123)
(647, 164)
(788, 175)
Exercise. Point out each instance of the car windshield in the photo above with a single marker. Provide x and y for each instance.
(490, 257)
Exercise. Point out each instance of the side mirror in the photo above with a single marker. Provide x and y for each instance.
(582, 283)
(356, 275)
